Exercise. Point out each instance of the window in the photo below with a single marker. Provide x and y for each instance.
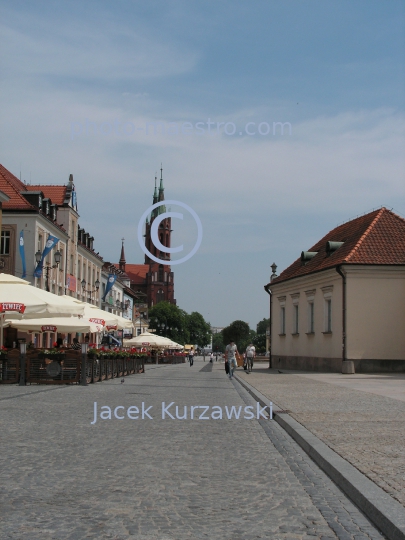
(295, 319)
(160, 272)
(282, 320)
(328, 315)
(5, 243)
(327, 295)
(295, 299)
(311, 324)
(160, 296)
(311, 311)
(138, 331)
(281, 299)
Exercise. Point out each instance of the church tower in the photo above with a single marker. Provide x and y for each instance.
(160, 278)
(164, 228)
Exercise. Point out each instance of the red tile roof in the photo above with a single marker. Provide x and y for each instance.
(55, 193)
(376, 238)
(12, 186)
(136, 272)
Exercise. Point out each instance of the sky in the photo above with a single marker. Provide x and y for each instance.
(109, 91)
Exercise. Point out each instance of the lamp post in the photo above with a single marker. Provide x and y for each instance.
(57, 258)
(91, 290)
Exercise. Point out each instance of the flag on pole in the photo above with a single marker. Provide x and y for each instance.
(22, 255)
(50, 244)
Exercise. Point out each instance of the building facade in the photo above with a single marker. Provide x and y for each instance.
(32, 215)
(343, 300)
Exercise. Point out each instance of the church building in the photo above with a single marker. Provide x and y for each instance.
(152, 281)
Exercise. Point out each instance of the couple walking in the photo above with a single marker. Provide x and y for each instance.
(230, 358)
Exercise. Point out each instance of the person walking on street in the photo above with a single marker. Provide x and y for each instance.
(250, 356)
(211, 357)
(191, 356)
(230, 356)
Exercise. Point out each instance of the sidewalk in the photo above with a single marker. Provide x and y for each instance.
(353, 415)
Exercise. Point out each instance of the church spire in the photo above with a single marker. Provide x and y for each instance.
(155, 193)
(161, 188)
(122, 262)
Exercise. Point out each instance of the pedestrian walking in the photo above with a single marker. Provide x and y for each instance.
(230, 355)
(191, 356)
(250, 356)
(211, 357)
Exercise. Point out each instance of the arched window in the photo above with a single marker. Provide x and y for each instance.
(160, 296)
(160, 272)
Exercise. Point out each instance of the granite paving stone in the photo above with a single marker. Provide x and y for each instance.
(161, 479)
(363, 427)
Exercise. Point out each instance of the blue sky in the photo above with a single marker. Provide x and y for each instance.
(333, 70)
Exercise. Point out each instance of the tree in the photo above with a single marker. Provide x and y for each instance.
(173, 320)
(237, 331)
(262, 326)
(199, 330)
(247, 340)
(218, 343)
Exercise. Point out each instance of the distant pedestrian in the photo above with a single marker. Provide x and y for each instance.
(230, 356)
(191, 356)
(250, 356)
(211, 357)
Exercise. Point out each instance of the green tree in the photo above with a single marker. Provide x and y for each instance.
(199, 330)
(260, 342)
(262, 326)
(169, 320)
(238, 331)
(247, 340)
(218, 342)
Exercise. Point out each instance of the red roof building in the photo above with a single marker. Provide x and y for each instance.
(341, 304)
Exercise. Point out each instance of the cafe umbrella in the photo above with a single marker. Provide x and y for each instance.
(20, 300)
(55, 324)
(148, 339)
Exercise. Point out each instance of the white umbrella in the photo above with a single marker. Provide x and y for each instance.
(147, 340)
(55, 324)
(98, 316)
(20, 300)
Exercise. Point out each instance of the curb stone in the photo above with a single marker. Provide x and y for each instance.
(379, 507)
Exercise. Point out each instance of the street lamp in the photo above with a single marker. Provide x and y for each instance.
(91, 290)
(57, 258)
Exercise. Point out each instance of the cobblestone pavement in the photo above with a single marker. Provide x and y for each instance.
(366, 429)
(161, 479)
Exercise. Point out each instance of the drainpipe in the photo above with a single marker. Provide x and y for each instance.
(266, 288)
(339, 271)
(347, 365)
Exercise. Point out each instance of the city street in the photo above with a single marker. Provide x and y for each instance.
(67, 474)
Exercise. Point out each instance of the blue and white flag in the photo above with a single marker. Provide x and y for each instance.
(110, 283)
(22, 255)
(50, 243)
